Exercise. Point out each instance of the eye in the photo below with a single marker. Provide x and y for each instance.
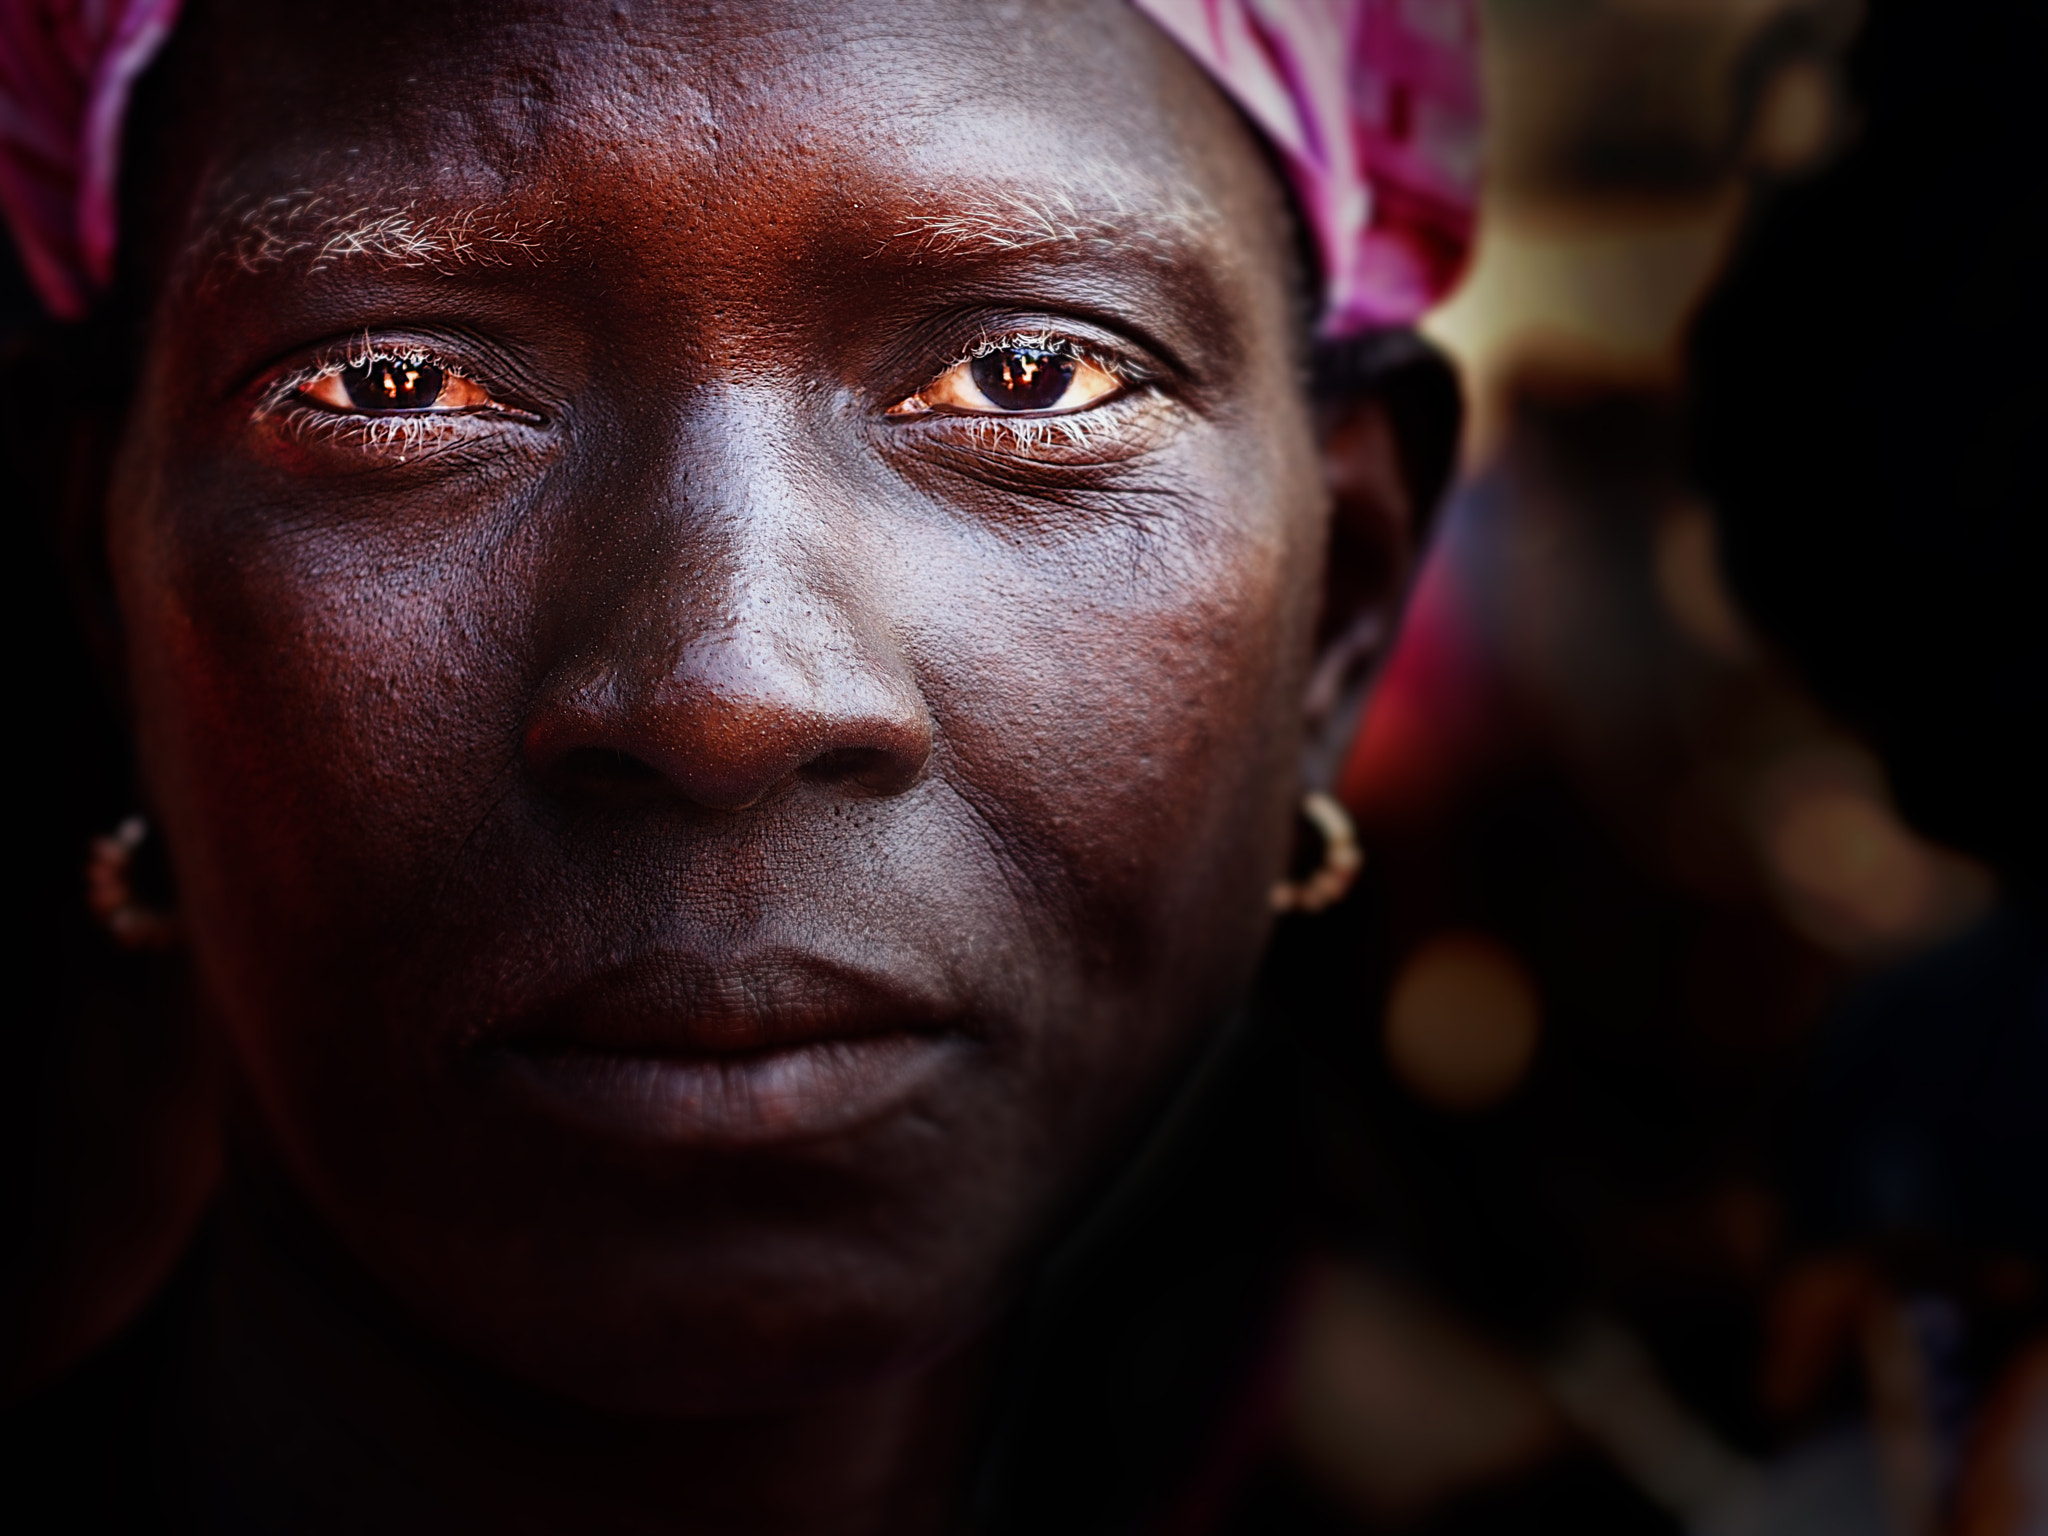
(1014, 377)
(387, 385)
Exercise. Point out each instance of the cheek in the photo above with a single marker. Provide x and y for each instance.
(321, 708)
(1127, 708)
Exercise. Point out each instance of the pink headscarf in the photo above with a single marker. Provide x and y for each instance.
(1373, 105)
(66, 68)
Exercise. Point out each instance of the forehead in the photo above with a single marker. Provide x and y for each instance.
(488, 130)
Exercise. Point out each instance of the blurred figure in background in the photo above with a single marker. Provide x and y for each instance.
(1872, 428)
(1699, 1167)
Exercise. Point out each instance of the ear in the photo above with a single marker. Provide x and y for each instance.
(1388, 413)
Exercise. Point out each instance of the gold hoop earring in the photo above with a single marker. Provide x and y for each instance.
(110, 891)
(1342, 858)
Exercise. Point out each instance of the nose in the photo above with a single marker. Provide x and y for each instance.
(755, 659)
(738, 719)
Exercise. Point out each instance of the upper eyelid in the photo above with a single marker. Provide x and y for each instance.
(334, 359)
(1115, 360)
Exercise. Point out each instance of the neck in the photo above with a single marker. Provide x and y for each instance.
(322, 1414)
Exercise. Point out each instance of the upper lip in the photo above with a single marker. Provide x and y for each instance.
(686, 1005)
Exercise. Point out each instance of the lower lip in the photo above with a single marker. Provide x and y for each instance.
(802, 1093)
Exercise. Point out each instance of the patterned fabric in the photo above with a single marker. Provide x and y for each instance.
(66, 68)
(1373, 105)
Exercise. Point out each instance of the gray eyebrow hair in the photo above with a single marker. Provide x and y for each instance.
(321, 230)
(1009, 222)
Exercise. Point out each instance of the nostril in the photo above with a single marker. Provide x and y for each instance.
(604, 768)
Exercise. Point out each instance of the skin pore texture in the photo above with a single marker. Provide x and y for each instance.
(698, 843)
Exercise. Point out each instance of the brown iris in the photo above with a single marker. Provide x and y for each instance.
(1023, 378)
(384, 386)
(393, 384)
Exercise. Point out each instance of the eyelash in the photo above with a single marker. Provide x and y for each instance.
(408, 431)
(1041, 341)
(1089, 429)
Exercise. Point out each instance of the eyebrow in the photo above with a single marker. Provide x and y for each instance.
(321, 230)
(1008, 222)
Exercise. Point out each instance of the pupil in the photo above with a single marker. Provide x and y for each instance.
(392, 384)
(1023, 378)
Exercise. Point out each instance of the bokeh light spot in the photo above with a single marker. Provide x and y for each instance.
(1795, 118)
(1463, 1021)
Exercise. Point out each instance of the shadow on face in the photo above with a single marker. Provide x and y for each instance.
(717, 617)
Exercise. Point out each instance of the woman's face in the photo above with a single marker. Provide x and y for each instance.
(700, 829)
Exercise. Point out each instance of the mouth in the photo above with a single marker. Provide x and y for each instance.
(780, 1048)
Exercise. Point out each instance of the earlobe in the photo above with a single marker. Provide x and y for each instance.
(1388, 414)
(1343, 674)
(1371, 550)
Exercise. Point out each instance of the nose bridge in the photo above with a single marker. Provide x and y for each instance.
(755, 649)
(780, 635)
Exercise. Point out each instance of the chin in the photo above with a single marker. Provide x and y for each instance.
(761, 1337)
(657, 1280)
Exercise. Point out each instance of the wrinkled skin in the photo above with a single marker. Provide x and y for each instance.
(695, 871)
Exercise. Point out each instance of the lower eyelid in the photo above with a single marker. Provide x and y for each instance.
(375, 428)
(404, 433)
(1124, 419)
